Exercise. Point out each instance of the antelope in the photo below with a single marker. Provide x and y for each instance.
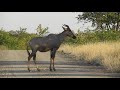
(50, 43)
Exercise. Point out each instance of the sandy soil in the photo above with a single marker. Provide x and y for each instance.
(13, 64)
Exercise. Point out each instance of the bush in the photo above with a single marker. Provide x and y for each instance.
(93, 37)
(17, 41)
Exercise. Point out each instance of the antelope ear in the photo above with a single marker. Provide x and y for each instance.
(64, 28)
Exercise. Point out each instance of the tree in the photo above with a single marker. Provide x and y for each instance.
(103, 20)
(21, 31)
(42, 31)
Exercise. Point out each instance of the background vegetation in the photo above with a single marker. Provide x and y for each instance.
(18, 39)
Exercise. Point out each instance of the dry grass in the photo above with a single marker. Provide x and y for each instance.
(3, 47)
(103, 53)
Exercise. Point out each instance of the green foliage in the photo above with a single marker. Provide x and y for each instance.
(15, 39)
(19, 38)
(94, 36)
(42, 31)
(103, 20)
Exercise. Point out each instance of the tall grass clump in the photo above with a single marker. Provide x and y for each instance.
(102, 53)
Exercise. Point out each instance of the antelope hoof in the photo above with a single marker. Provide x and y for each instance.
(51, 69)
(29, 70)
(54, 69)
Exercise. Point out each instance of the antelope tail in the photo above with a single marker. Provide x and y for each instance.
(28, 50)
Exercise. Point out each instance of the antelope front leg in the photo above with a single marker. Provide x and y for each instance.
(53, 65)
(50, 64)
(53, 52)
(34, 58)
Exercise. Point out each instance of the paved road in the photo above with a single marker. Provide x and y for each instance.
(13, 64)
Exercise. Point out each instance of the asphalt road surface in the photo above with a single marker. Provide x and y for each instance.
(13, 64)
